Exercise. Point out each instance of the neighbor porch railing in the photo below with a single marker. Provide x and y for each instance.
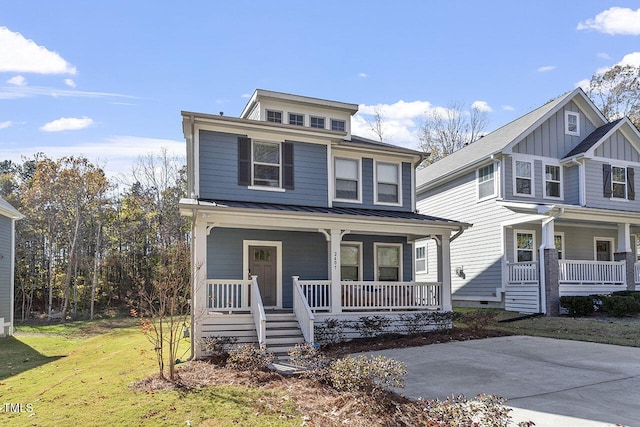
(302, 311)
(592, 272)
(228, 295)
(390, 295)
(522, 272)
(257, 310)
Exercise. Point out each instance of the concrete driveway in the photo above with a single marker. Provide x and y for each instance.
(551, 382)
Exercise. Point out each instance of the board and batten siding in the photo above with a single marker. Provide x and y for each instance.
(571, 185)
(5, 269)
(617, 147)
(218, 164)
(478, 251)
(594, 188)
(549, 139)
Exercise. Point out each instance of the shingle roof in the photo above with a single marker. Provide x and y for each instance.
(592, 139)
(377, 144)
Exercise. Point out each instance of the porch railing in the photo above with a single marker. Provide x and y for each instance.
(257, 310)
(522, 272)
(390, 295)
(228, 295)
(302, 311)
(592, 272)
(317, 293)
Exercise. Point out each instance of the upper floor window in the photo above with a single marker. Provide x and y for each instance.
(266, 164)
(387, 183)
(486, 182)
(296, 119)
(523, 178)
(347, 173)
(421, 259)
(552, 181)
(274, 116)
(572, 123)
(338, 125)
(618, 182)
(317, 122)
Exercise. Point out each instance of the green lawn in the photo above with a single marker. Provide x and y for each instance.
(71, 376)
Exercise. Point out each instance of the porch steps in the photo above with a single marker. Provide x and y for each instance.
(283, 333)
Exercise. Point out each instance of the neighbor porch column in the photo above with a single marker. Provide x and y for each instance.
(624, 253)
(444, 270)
(549, 268)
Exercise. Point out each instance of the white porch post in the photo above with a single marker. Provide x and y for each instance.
(624, 238)
(335, 237)
(198, 276)
(445, 272)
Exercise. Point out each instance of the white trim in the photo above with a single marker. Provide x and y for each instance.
(245, 263)
(196, 161)
(544, 180)
(358, 160)
(617, 162)
(360, 257)
(344, 122)
(413, 188)
(561, 235)
(12, 266)
(495, 183)
(532, 162)
(330, 178)
(568, 113)
(289, 113)
(422, 244)
(266, 188)
(376, 245)
(626, 183)
(612, 246)
(253, 185)
(311, 117)
(534, 248)
(266, 115)
(375, 183)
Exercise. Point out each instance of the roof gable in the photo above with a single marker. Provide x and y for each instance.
(595, 141)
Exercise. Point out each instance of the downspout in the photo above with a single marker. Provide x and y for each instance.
(458, 233)
(543, 284)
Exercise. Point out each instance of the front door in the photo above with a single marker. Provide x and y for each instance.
(262, 263)
(603, 250)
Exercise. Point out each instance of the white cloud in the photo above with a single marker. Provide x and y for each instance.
(17, 81)
(482, 106)
(6, 124)
(67, 123)
(603, 55)
(546, 68)
(27, 91)
(507, 108)
(70, 82)
(246, 95)
(615, 20)
(20, 55)
(363, 75)
(632, 59)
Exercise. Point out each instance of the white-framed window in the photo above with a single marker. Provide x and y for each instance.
(421, 258)
(266, 164)
(523, 178)
(296, 119)
(316, 122)
(552, 181)
(572, 123)
(558, 242)
(351, 261)
(274, 116)
(525, 245)
(618, 182)
(603, 248)
(388, 183)
(486, 182)
(388, 262)
(347, 179)
(338, 125)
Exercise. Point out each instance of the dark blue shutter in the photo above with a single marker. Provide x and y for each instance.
(244, 161)
(287, 164)
(631, 187)
(606, 181)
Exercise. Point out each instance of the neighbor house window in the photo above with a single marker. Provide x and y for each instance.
(421, 259)
(347, 173)
(525, 246)
(338, 125)
(552, 181)
(486, 182)
(619, 182)
(558, 242)
(274, 116)
(388, 262)
(350, 262)
(317, 122)
(266, 164)
(524, 178)
(572, 123)
(296, 119)
(387, 182)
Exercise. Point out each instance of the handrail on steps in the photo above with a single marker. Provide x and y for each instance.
(257, 310)
(303, 312)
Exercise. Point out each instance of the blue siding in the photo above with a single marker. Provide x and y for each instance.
(368, 254)
(218, 157)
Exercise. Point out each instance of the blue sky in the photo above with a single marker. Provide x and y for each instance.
(108, 79)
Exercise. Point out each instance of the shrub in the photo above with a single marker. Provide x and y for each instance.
(249, 357)
(619, 306)
(369, 374)
(331, 331)
(634, 294)
(216, 348)
(482, 410)
(479, 320)
(422, 321)
(578, 306)
(309, 357)
(371, 326)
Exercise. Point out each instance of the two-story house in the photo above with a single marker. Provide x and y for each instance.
(296, 220)
(552, 200)
(8, 217)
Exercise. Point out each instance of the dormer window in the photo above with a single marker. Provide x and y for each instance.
(274, 116)
(296, 119)
(572, 123)
(317, 122)
(337, 125)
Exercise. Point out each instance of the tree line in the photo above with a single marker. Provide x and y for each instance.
(90, 244)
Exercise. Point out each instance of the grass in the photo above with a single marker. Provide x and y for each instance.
(78, 374)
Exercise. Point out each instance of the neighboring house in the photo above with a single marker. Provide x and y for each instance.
(8, 217)
(296, 221)
(552, 200)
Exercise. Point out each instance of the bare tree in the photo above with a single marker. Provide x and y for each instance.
(447, 130)
(376, 123)
(617, 92)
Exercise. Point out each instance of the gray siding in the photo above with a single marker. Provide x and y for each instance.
(571, 185)
(219, 173)
(5, 269)
(595, 195)
(579, 241)
(617, 147)
(550, 140)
